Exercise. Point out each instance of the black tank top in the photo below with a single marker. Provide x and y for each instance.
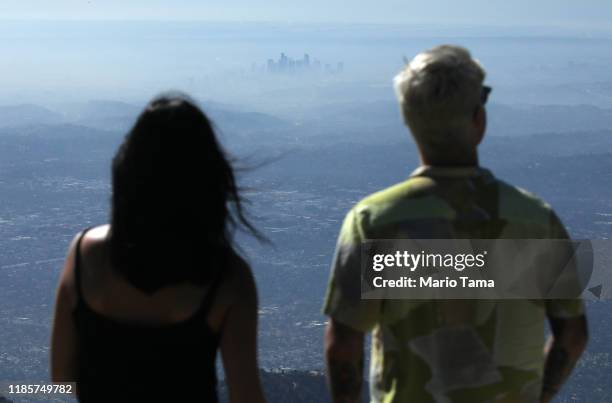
(123, 362)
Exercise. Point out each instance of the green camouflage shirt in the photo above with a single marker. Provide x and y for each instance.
(447, 350)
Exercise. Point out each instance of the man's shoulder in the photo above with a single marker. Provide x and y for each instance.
(412, 199)
(413, 191)
(417, 198)
(413, 187)
(518, 204)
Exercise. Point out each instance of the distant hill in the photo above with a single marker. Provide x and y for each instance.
(372, 120)
(118, 117)
(27, 115)
(104, 114)
(553, 144)
(249, 121)
(29, 145)
(365, 122)
(115, 115)
(507, 120)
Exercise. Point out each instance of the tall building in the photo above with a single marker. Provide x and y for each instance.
(283, 61)
(288, 65)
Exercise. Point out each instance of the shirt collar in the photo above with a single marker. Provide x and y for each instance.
(451, 171)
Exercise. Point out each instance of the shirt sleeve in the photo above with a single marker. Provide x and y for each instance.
(343, 299)
(564, 308)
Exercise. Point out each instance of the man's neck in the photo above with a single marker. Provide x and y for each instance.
(445, 163)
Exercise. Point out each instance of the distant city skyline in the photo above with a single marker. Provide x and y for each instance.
(289, 65)
(562, 13)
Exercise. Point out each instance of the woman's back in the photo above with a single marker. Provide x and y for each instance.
(129, 340)
(107, 292)
(144, 304)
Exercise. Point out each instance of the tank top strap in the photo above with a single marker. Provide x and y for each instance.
(77, 264)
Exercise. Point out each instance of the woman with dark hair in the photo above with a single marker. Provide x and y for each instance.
(144, 303)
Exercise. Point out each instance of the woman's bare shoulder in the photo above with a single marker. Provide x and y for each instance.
(94, 247)
(95, 239)
(90, 241)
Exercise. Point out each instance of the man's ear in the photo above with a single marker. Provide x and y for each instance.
(480, 124)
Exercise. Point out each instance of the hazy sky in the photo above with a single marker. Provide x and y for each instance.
(564, 13)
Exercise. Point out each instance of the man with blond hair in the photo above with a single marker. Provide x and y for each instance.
(447, 350)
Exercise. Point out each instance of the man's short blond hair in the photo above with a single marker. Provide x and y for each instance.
(439, 91)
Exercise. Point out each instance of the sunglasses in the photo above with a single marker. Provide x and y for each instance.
(484, 95)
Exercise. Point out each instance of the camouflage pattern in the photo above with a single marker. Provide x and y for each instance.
(444, 350)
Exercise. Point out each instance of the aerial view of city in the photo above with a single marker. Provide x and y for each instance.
(311, 132)
(287, 65)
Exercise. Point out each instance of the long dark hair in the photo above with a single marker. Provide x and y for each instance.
(175, 199)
